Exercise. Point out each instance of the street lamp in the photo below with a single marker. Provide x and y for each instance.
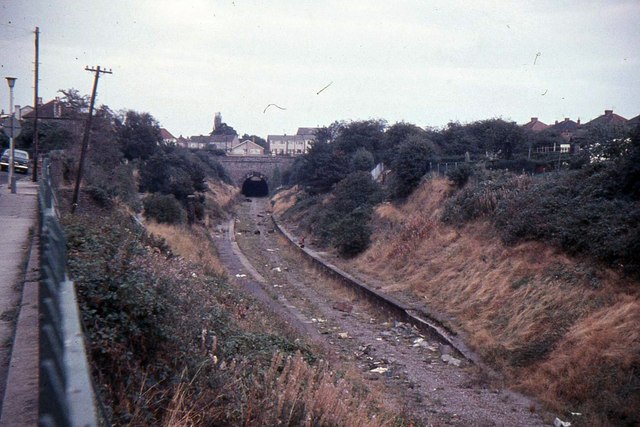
(11, 81)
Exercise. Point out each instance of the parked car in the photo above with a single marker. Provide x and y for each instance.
(20, 160)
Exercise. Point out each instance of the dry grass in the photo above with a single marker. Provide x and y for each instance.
(190, 243)
(292, 392)
(284, 200)
(223, 194)
(557, 327)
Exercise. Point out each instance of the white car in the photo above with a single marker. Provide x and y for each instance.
(20, 160)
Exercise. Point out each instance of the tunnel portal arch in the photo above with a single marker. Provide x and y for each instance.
(255, 184)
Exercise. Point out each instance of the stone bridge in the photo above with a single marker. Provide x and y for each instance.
(253, 174)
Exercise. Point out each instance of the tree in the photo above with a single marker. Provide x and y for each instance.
(224, 129)
(505, 139)
(367, 134)
(606, 142)
(344, 221)
(362, 160)
(321, 168)
(410, 164)
(74, 104)
(394, 136)
(138, 135)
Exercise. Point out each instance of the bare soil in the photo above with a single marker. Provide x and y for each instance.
(412, 373)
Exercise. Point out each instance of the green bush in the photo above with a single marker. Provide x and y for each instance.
(352, 234)
(410, 164)
(343, 221)
(579, 212)
(591, 211)
(460, 175)
(164, 208)
(481, 199)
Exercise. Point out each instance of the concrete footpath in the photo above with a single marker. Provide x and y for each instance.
(19, 304)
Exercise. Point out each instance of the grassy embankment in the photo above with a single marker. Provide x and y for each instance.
(559, 327)
(173, 343)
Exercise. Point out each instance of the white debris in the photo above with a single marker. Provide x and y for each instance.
(343, 335)
(278, 269)
(379, 370)
(450, 360)
(559, 423)
(241, 275)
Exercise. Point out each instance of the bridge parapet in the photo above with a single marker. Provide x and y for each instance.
(241, 167)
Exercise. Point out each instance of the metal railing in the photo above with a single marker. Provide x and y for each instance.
(66, 393)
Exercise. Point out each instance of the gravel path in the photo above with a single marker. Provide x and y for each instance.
(420, 376)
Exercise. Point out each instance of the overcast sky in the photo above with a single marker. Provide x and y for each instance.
(420, 61)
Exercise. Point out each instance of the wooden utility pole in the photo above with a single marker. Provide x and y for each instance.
(87, 131)
(34, 178)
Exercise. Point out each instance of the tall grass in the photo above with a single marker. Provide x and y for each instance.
(190, 243)
(558, 326)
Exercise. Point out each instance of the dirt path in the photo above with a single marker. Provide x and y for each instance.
(419, 375)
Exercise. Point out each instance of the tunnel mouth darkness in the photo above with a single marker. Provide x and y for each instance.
(255, 187)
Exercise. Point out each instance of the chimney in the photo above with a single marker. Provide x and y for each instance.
(608, 112)
(566, 119)
(556, 122)
(534, 119)
(578, 122)
(39, 100)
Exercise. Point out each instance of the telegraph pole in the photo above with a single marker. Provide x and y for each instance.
(34, 178)
(87, 131)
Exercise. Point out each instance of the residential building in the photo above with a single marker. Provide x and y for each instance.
(53, 109)
(292, 145)
(565, 128)
(198, 142)
(535, 125)
(247, 148)
(223, 142)
(167, 138)
(609, 118)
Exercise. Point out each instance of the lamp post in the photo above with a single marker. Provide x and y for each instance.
(11, 81)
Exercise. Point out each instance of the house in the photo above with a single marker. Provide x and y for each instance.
(535, 125)
(53, 109)
(198, 142)
(565, 128)
(223, 142)
(292, 145)
(609, 118)
(307, 131)
(635, 121)
(167, 138)
(247, 148)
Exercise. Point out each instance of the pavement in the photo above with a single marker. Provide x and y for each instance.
(18, 303)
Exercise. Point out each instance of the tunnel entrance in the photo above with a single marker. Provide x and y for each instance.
(255, 186)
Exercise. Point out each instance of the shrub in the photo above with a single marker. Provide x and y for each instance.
(352, 232)
(481, 199)
(362, 160)
(164, 208)
(460, 175)
(344, 220)
(410, 164)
